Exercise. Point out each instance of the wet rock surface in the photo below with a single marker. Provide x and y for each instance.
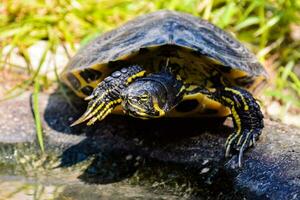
(181, 157)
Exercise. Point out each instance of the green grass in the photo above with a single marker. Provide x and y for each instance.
(264, 26)
(36, 111)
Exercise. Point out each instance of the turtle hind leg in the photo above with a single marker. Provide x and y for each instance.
(106, 96)
(246, 115)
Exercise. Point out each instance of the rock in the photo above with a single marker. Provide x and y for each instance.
(181, 156)
(16, 122)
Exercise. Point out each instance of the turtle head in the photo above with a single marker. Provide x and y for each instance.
(151, 96)
(145, 99)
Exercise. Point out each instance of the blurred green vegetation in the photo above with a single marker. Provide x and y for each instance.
(267, 27)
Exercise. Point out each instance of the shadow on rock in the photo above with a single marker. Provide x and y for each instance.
(113, 158)
(121, 145)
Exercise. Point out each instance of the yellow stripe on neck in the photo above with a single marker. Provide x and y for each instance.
(158, 109)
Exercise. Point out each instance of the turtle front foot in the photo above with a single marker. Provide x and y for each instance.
(107, 95)
(247, 119)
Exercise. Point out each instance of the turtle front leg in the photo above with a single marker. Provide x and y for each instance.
(107, 95)
(246, 114)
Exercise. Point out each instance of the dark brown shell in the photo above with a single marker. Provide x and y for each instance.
(167, 28)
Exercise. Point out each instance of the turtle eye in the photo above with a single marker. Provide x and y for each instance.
(144, 97)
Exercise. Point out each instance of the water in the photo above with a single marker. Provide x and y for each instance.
(17, 187)
(28, 175)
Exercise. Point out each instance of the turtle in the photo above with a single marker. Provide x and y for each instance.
(171, 64)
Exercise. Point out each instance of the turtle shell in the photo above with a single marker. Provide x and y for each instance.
(200, 52)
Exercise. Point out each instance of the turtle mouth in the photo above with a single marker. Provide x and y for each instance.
(137, 110)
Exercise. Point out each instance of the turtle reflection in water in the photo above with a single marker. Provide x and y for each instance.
(170, 64)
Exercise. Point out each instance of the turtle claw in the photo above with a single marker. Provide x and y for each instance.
(253, 141)
(86, 116)
(80, 120)
(232, 146)
(227, 150)
(88, 98)
(241, 143)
